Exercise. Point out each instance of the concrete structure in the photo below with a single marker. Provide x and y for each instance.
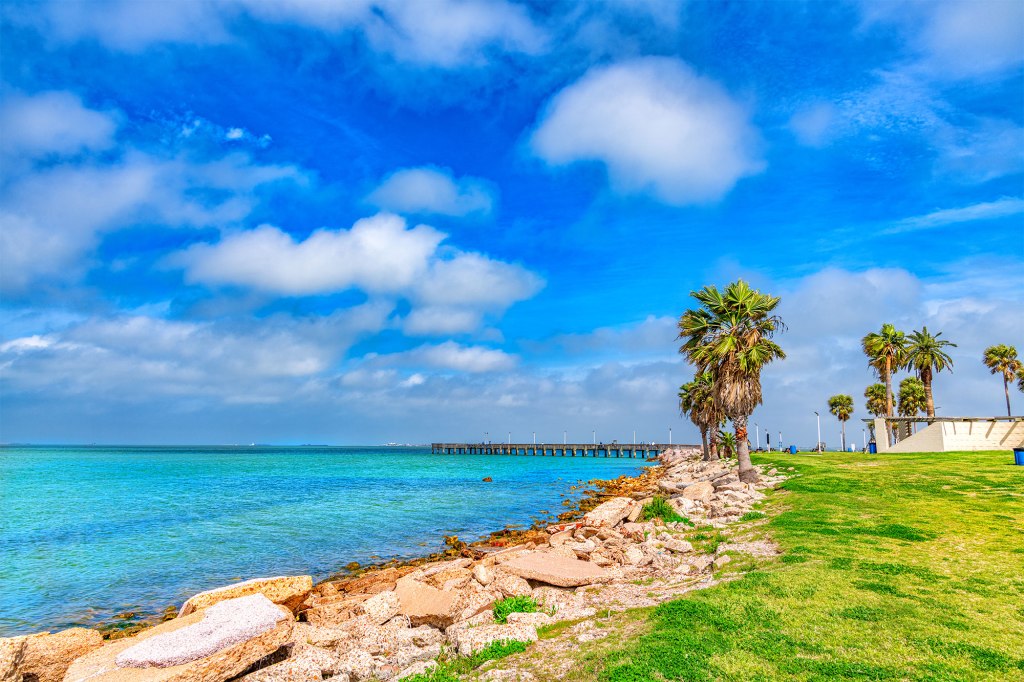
(548, 450)
(946, 434)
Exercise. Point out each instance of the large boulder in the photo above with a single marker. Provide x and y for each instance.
(212, 645)
(45, 657)
(470, 640)
(552, 569)
(425, 605)
(305, 664)
(609, 513)
(699, 492)
(289, 591)
(381, 607)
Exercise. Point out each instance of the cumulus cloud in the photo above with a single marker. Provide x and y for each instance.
(52, 217)
(450, 290)
(431, 190)
(443, 33)
(53, 123)
(658, 128)
(451, 355)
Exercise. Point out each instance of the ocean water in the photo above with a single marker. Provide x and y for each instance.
(90, 532)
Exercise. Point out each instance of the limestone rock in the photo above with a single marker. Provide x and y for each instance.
(556, 570)
(561, 537)
(483, 574)
(424, 604)
(511, 585)
(722, 560)
(381, 607)
(609, 513)
(305, 664)
(45, 657)
(470, 640)
(421, 668)
(288, 591)
(700, 492)
(535, 619)
(335, 610)
(679, 546)
(356, 664)
(241, 631)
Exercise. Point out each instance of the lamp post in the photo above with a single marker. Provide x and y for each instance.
(595, 437)
(510, 438)
(565, 437)
(670, 435)
(757, 435)
(534, 437)
(818, 445)
(780, 441)
(634, 436)
(487, 436)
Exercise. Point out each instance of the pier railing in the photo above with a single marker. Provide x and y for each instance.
(642, 450)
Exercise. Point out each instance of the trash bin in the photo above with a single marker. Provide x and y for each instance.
(873, 448)
(1018, 456)
(792, 449)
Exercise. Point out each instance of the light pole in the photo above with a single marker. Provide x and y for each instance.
(864, 434)
(634, 436)
(487, 436)
(757, 435)
(534, 437)
(595, 436)
(510, 438)
(780, 441)
(670, 435)
(818, 446)
(565, 437)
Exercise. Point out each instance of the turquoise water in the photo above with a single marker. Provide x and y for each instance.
(90, 532)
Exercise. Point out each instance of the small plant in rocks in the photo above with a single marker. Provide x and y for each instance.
(518, 604)
(659, 508)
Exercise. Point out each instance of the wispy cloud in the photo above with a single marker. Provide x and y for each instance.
(990, 210)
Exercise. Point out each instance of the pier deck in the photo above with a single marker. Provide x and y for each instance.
(642, 450)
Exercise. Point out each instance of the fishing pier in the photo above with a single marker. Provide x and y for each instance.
(638, 450)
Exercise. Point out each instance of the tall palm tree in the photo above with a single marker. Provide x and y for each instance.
(875, 393)
(730, 335)
(924, 354)
(886, 351)
(841, 405)
(1002, 359)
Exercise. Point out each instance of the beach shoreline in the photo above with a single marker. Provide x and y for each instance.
(598, 490)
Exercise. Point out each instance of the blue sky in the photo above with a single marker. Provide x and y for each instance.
(286, 221)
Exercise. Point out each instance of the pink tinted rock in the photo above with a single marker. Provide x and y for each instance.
(550, 568)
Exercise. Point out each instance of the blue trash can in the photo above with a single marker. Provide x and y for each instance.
(1018, 456)
(873, 448)
(792, 449)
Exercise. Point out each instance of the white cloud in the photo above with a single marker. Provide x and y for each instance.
(965, 38)
(450, 291)
(814, 125)
(378, 255)
(53, 123)
(234, 134)
(51, 218)
(658, 128)
(454, 356)
(989, 210)
(443, 33)
(431, 190)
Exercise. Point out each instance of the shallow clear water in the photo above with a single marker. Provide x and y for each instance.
(90, 532)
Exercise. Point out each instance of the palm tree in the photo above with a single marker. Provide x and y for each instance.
(913, 399)
(886, 351)
(697, 403)
(1020, 380)
(875, 393)
(841, 405)
(1002, 359)
(730, 335)
(924, 354)
(728, 442)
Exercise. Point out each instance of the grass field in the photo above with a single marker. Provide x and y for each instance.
(902, 567)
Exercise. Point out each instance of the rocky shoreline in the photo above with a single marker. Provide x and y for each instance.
(392, 621)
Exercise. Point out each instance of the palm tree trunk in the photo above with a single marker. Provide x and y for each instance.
(926, 379)
(1006, 389)
(843, 422)
(714, 446)
(704, 445)
(748, 474)
(888, 400)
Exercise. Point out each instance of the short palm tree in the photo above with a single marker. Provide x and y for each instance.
(875, 393)
(913, 399)
(728, 441)
(730, 336)
(1002, 359)
(841, 405)
(925, 354)
(697, 402)
(886, 351)
(1020, 380)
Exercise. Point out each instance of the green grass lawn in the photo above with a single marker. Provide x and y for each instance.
(903, 567)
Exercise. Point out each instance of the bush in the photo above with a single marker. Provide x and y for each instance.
(517, 604)
(659, 508)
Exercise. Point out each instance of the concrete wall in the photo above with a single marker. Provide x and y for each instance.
(963, 435)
